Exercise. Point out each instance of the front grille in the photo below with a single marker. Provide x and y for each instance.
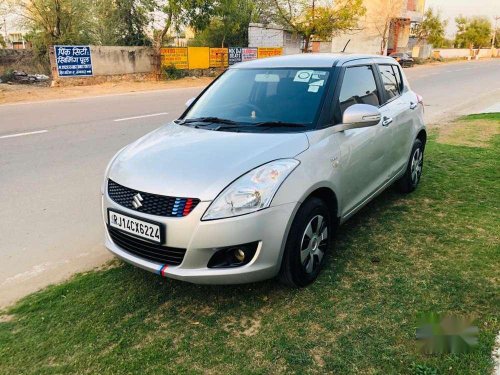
(147, 250)
(153, 204)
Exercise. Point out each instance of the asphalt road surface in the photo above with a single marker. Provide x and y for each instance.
(53, 155)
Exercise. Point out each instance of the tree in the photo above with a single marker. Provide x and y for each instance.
(228, 25)
(2, 42)
(174, 13)
(387, 11)
(432, 29)
(55, 22)
(308, 20)
(58, 21)
(473, 32)
(133, 18)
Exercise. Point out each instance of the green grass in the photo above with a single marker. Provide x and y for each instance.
(436, 250)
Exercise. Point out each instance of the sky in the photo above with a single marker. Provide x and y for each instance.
(453, 8)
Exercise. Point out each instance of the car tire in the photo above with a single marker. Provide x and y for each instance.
(307, 244)
(413, 173)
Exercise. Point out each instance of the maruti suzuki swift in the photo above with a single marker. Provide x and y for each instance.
(251, 181)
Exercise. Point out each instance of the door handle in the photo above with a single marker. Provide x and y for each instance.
(386, 121)
(413, 105)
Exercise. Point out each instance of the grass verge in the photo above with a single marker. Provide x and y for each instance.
(436, 250)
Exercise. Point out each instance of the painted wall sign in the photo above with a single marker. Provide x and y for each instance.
(73, 61)
(218, 57)
(176, 56)
(235, 55)
(248, 54)
(269, 52)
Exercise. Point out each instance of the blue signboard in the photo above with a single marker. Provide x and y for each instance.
(73, 61)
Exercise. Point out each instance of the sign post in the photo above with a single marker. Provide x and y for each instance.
(73, 61)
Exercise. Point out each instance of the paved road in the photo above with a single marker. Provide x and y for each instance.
(50, 178)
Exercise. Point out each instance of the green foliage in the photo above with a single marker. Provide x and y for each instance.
(2, 42)
(473, 32)
(418, 369)
(7, 76)
(132, 18)
(432, 29)
(322, 21)
(228, 26)
(56, 22)
(171, 72)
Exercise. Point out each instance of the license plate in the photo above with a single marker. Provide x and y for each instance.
(137, 227)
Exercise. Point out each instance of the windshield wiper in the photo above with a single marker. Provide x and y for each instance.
(280, 124)
(210, 120)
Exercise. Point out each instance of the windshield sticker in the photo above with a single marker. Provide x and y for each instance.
(317, 83)
(318, 74)
(303, 76)
(313, 89)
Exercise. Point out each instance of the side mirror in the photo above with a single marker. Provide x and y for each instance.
(189, 102)
(360, 116)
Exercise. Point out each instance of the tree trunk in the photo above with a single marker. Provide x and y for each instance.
(157, 44)
(307, 41)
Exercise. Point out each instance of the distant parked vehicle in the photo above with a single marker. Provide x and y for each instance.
(403, 59)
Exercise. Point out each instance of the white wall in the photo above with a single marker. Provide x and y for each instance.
(110, 60)
(260, 36)
(450, 53)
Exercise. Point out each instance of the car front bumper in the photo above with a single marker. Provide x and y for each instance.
(201, 239)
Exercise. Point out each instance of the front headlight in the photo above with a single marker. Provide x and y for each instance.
(252, 191)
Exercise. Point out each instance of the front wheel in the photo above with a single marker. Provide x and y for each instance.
(411, 178)
(307, 243)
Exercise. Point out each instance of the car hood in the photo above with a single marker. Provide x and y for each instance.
(181, 161)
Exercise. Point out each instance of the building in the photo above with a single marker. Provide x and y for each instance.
(13, 32)
(260, 35)
(388, 26)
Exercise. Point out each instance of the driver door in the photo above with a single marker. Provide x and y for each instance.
(363, 152)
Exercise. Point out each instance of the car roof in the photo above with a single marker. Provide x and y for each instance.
(309, 60)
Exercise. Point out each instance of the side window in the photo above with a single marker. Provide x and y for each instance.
(358, 87)
(389, 80)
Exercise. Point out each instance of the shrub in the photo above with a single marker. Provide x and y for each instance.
(171, 72)
(7, 76)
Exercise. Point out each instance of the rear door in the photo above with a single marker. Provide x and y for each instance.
(396, 116)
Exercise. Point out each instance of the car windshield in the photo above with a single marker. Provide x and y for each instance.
(261, 99)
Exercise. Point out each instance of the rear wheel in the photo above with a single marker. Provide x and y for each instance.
(411, 178)
(307, 243)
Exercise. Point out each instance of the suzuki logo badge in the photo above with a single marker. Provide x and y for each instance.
(137, 202)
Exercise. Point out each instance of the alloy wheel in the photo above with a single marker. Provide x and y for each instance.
(314, 243)
(417, 162)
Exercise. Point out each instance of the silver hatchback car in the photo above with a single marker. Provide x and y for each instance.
(253, 178)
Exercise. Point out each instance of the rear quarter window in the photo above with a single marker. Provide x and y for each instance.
(391, 81)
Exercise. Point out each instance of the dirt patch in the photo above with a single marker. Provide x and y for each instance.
(6, 318)
(24, 93)
(471, 133)
(246, 326)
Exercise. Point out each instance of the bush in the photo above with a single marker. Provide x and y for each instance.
(171, 72)
(7, 76)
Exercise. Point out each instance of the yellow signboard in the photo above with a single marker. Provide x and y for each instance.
(176, 56)
(269, 52)
(219, 57)
(198, 57)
